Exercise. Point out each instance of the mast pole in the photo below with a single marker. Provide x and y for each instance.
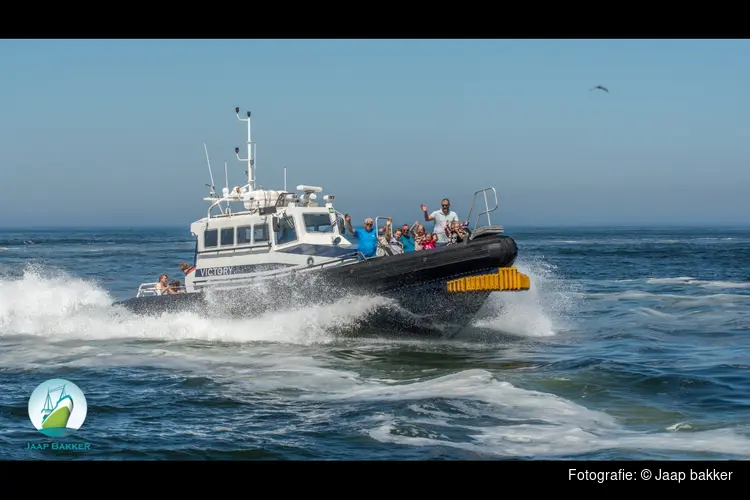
(250, 156)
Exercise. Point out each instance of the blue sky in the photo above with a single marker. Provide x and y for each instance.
(111, 132)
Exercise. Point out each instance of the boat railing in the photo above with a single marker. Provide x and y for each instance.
(383, 249)
(487, 202)
(354, 256)
(281, 201)
(340, 222)
(220, 200)
(384, 218)
(284, 198)
(218, 203)
(149, 290)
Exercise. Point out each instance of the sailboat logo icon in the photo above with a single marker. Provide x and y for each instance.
(57, 407)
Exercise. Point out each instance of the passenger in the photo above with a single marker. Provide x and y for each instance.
(161, 286)
(175, 287)
(367, 237)
(455, 233)
(463, 230)
(186, 268)
(393, 240)
(441, 217)
(406, 238)
(419, 236)
(429, 241)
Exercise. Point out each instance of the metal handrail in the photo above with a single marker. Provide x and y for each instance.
(149, 289)
(386, 250)
(487, 210)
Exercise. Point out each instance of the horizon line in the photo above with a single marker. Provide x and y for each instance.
(517, 226)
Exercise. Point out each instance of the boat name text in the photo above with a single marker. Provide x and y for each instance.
(217, 271)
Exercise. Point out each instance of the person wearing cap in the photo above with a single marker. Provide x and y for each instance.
(367, 238)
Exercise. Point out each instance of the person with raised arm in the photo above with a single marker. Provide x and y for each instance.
(367, 238)
(441, 218)
(392, 239)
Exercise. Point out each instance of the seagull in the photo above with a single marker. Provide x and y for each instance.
(600, 88)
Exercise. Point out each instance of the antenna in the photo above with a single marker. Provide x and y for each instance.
(226, 176)
(210, 174)
(285, 178)
(250, 151)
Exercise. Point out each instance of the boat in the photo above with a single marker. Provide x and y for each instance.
(55, 417)
(281, 249)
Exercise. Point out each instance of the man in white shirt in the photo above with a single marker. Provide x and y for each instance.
(441, 218)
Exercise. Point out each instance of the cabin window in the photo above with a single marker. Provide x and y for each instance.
(227, 236)
(317, 223)
(210, 238)
(244, 234)
(287, 232)
(260, 233)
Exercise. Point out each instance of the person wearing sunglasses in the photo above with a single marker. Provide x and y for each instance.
(367, 238)
(441, 218)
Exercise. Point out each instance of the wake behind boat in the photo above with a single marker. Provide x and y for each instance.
(282, 250)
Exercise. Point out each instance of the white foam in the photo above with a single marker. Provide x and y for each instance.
(689, 280)
(538, 312)
(674, 299)
(58, 307)
(534, 424)
(654, 240)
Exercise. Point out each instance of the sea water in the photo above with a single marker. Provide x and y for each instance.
(631, 344)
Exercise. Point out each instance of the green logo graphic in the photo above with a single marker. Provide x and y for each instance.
(57, 408)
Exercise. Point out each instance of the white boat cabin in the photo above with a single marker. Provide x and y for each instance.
(276, 232)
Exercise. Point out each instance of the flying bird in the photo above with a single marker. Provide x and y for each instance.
(600, 88)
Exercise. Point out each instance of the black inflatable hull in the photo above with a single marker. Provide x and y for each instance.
(414, 282)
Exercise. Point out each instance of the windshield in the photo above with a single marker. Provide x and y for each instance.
(317, 223)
